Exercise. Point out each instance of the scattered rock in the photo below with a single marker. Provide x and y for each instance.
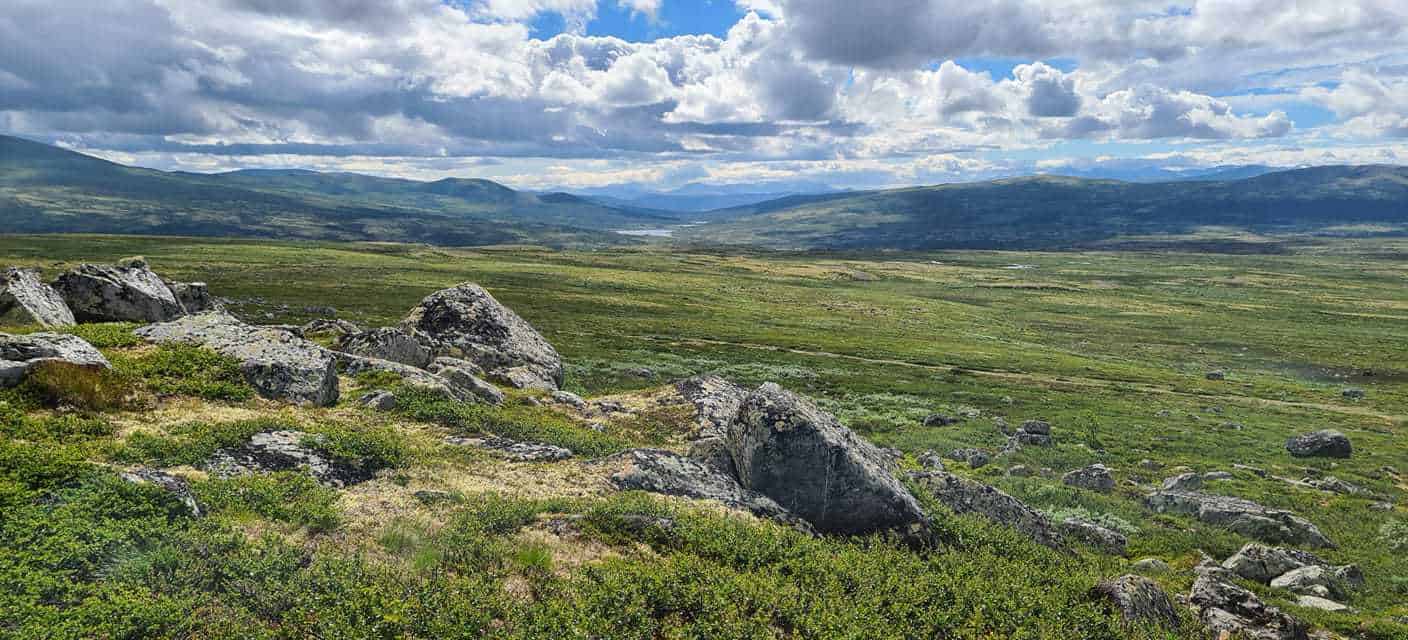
(1240, 515)
(1036, 427)
(467, 322)
(272, 451)
(1352, 394)
(1036, 433)
(387, 344)
(1315, 602)
(21, 354)
(976, 458)
(126, 292)
(967, 496)
(1335, 485)
(1091, 534)
(24, 299)
(931, 461)
(1096, 477)
(1313, 580)
(1326, 443)
(1256, 471)
(1215, 476)
(1183, 482)
(1018, 471)
(1381, 506)
(786, 448)
(671, 474)
(1261, 563)
(1140, 602)
(1227, 608)
(175, 485)
(1150, 465)
(513, 449)
(329, 327)
(378, 400)
(278, 364)
(570, 399)
(1216, 375)
(939, 420)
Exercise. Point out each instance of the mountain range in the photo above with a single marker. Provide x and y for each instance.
(46, 189)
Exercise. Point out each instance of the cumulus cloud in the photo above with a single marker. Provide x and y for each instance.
(1370, 104)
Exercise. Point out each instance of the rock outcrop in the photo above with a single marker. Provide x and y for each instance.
(24, 299)
(172, 484)
(1262, 563)
(272, 451)
(464, 376)
(278, 364)
(1096, 477)
(1140, 602)
(1243, 516)
(21, 354)
(964, 496)
(671, 474)
(716, 402)
(466, 322)
(387, 344)
(194, 297)
(786, 448)
(513, 449)
(1224, 607)
(1320, 444)
(126, 292)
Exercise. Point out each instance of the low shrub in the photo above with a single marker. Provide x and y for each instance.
(62, 384)
(289, 497)
(524, 423)
(184, 370)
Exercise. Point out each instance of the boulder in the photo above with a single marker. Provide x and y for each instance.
(1352, 393)
(20, 354)
(1216, 374)
(1227, 608)
(931, 461)
(278, 364)
(463, 391)
(1261, 563)
(126, 292)
(174, 485)
(378, 400)
(976, 458)
(329, 327)
(467, 322)
(1036, 433)
(1326, 443)
(1093, 535)
(786, 448)
(713, 452)
(716, 402)
(194, 297)
(570, 399)
(272, 451)
(668, 473)
(1314, 602)
(1183, 482)
(513, 449)
(1139, 601)
(1152, 565)
(963, 496)
(24, 299)
(1320, 580)
(939, 420)
(1096, 477)
(387, 344)
(1240, 515)
(465, 378)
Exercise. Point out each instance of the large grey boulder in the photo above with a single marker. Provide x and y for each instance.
(1319, 580)
(1140, 602)
(126, 292)
(1225, 607)
(278, 364)
(20, 354)
(1261, 563)
(1096, 477)
(387, 343)
(964, 496)
(786, 448)
(1326, 443)
(716, 402)
(464, 376)
(668, 473)
(452, 383)
(272, 451)
(1240, 515)
(466, 322)
(24, 299)
(194, 297)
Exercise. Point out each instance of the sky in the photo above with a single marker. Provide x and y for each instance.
(743, 94)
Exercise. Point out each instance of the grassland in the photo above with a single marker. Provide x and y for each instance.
(1111, 348)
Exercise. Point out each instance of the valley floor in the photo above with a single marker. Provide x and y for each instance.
(1113, 349)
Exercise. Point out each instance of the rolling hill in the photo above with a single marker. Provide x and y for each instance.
(45, 189)
(1060, 212)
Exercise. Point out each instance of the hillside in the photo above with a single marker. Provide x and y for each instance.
(45, 189)
(1049, 421)
(1062, 213)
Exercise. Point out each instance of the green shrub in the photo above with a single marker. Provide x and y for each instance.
(174, 369)
(192, 443)
(290, 497)
(62, 384)
(108, 335)
(525, 423)
(369, 449)
(41, 465)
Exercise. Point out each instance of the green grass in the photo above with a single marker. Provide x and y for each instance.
(1109, 347)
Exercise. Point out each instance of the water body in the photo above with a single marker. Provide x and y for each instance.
(649, 233)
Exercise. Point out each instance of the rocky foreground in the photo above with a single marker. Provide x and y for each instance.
(766, 451)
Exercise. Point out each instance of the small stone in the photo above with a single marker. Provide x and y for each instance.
(1019, 471)
(931, 461)
(1096, 477)
(1213, 476)
(1183, 482)
(1152, 565)
(1316, 602)
(1352, 394)
(1150, 465)
(378, 400)
(570, 399)
(1216, 375)
(939, 420)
